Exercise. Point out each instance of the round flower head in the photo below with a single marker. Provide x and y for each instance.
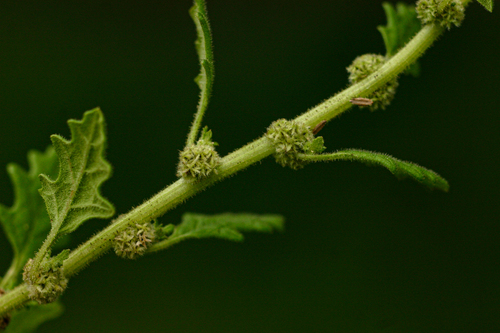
(365, 65)
(200, 160)
(452, 13)
(289, 138)
(48, 283)
(134, 240)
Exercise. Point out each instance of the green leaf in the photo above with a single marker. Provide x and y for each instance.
(488, 4)
(74, 197)
(27, 223)
(400, 169)
(402, 25)
(315, 146)
(205, 79)
(28, 319)
(226, 226)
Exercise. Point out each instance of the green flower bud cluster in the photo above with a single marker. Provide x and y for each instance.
(452, 13)
(289, 138)
(200, 160)
(134, 240)
(365, 65)
(48, 282)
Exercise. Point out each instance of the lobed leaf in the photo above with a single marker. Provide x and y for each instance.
(205, 54)
(26, 223)
(402, 25)
(226, 226)
(30, 318)
(488, 4)
(401, 169)
(74, 197)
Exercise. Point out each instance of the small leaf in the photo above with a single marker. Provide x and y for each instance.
(315, 146)
(226, 226)
(488, 4)
(206, 77)
(74, 197)
(400, 169)
(28, 319)
(27, 223)
(402, 25)
(206, 134)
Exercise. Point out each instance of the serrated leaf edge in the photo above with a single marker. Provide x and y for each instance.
(49, 186)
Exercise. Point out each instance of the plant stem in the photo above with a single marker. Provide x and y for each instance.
(14, 299)
(255, 151)
(396, 65)
(41, 253)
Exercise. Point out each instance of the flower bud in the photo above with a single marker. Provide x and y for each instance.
(365, 65)
(48, 282)
(452, 13)
(289, 138)
(134, 240)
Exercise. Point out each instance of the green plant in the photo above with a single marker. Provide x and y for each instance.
(74, 198)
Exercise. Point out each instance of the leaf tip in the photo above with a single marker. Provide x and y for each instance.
(488, 4)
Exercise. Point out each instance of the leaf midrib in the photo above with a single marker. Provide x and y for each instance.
(79, 177)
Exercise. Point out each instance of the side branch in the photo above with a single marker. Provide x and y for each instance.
(181, 190)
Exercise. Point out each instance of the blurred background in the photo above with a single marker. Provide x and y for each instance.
(362, 251)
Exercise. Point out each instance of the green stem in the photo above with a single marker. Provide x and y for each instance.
(181, 190)
(164, 201)
(168, 229)
(47, 244)
(166, 244)
(195, 127)
(396, 65)
(14, 299)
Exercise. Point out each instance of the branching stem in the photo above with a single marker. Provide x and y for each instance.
(255, 151)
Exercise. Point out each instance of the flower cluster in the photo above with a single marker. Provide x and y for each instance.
(200, 160)
(452, 13)
(365, 65)
(289, 138)
(48, 282)
(133, 242)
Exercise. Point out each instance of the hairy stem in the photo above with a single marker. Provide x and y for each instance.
(14, 299)
(181, 190)
(396, 65)
(47, 244)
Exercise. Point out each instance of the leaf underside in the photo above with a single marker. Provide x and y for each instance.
(488, 4)
(400, 169)
(74, 197)
(205, 54)
(27, 223)
(402, 25)
(28, 319)
(226, 226)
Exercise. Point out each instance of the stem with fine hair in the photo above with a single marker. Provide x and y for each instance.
(255, 151)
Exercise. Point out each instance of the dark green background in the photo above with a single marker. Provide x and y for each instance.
(362, 252)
